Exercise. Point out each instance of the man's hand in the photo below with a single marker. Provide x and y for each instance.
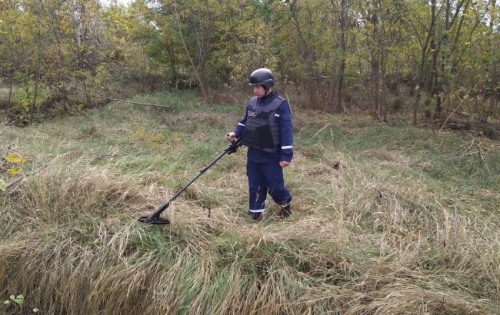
(230, 136)
(284, 163)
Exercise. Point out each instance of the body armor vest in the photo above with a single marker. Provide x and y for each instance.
(262, 130)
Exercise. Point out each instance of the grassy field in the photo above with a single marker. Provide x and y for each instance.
(388, 219)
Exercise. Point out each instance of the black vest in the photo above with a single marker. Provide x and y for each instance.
(262, 129)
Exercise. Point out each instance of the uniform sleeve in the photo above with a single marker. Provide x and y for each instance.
(286, 127)
(240, 127)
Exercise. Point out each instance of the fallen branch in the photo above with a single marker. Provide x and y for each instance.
(13, 183)
(455, 112)
(378, 116)
(449, 117)
(136, 103)
(320, 130)
(468, 151)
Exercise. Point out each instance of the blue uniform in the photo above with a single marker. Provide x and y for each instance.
(265, 175)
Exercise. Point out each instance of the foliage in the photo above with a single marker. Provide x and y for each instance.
(58, 56)
(19, 300)
(11, 164)
(349, 55)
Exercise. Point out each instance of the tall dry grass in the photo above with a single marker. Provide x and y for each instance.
(378, 226)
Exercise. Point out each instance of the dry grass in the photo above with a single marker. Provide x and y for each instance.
(372, 231)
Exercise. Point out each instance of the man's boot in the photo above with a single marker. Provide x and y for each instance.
(285, 212)
(257, 216)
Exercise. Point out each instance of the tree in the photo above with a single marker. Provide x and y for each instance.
(53, 52)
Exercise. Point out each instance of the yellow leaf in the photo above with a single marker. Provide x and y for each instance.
(15, 158)
(13, 171)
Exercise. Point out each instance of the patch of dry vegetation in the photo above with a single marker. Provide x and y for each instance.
(374, 230)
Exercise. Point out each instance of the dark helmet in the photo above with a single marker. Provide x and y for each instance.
(262, 76)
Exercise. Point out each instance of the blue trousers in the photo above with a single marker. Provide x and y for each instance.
(264, 178)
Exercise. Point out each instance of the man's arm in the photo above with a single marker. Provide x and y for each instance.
(240, 127)
(286, 129)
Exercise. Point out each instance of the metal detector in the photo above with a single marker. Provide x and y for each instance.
(155, 217)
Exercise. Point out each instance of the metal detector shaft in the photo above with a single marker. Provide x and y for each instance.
(230, 149)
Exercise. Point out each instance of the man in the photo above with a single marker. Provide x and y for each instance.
(266, 129)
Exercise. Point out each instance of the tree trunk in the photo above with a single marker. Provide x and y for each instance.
(339, 106)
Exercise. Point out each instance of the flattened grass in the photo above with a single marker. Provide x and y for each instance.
(387, 219)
